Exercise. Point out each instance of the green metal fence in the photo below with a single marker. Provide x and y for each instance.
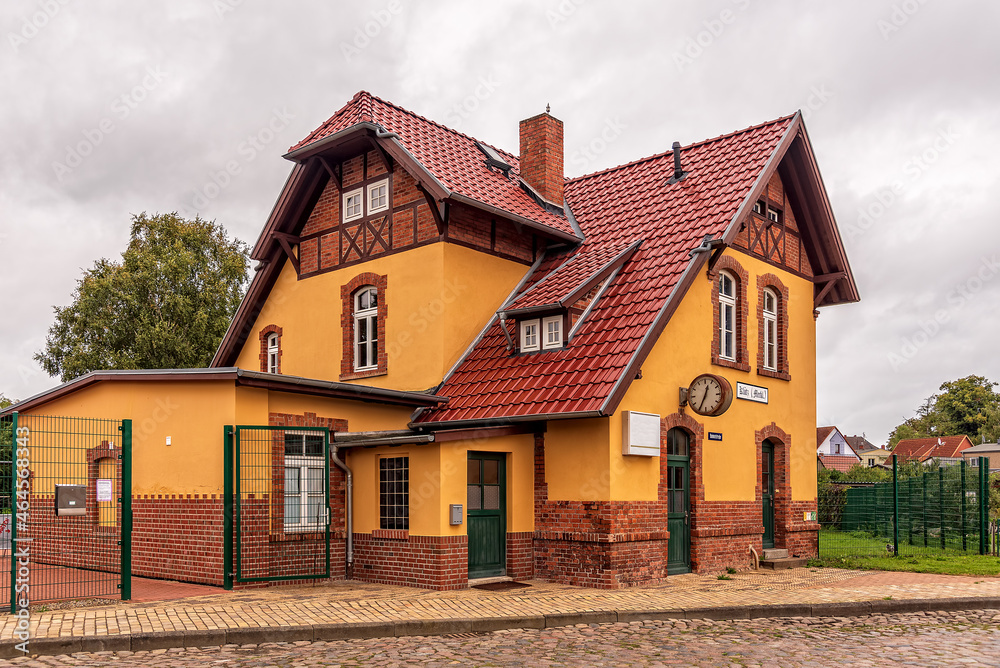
(277, 494)
(66, 497)
(934, 511)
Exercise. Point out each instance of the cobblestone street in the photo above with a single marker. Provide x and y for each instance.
(914, 639)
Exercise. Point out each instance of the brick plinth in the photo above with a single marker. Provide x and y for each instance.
(432, 562)
(520, 558)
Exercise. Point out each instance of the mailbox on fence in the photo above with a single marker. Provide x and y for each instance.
(71, 500)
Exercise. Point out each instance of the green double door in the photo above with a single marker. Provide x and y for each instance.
(767, 492)
(487, 514)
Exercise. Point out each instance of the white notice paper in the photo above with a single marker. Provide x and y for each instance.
(105, 487)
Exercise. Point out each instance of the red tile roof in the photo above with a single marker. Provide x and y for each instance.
(839, 462)
(923, 449)
(614, 208)
(450, 156)
(822, 433)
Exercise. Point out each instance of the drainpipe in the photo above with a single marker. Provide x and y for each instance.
(349, 504)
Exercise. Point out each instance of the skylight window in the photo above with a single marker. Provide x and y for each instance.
(493, 159)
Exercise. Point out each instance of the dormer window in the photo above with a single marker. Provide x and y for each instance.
(552, 332)
(529, 335)
(353, 204)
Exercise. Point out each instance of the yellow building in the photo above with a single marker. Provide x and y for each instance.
(453, 363)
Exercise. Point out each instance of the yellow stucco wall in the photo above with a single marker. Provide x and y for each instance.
(439, 298)
(438, 477)
(578, 460)
(684, 351)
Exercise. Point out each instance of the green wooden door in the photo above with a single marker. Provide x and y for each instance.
(487, 514)
(678, 495)
(767, 492)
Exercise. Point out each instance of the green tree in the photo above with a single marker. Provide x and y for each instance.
(166, 304)
(5, 402)
(968, 406)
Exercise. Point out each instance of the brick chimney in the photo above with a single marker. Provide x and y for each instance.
(542, 155)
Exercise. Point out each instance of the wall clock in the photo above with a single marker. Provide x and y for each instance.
(709, 394)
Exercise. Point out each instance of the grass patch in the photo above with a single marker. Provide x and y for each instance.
(861, 550)
(723, 577)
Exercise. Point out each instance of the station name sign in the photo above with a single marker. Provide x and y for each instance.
(751, 393)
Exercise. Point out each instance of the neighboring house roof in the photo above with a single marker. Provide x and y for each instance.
(860, 443)
(923, 449)
(838, 462)
(822, 433)
(616, 208)
(242, 378)
(982, 448)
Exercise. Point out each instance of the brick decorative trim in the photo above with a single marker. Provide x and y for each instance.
(391, 534)
(264, 334)
(774, 283)
(742, 361)
(347, 293)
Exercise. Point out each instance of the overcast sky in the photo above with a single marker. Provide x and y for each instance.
(114, 108)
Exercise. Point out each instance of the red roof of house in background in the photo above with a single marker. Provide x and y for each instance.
(822, 433)
(839, 462)
(923, 449)
(450, 156)
(615, 208)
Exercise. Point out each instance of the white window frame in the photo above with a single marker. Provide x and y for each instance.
(549, 342)
(770, 330)
(273, 348)
(773, 215)
(368, 196)
(304, 463)
(758, 207)
(370, 317)
(360, 194)
(530, 342)
(727, 317)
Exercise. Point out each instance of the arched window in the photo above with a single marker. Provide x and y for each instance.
(366, 329)
(727, 316)
(770, 316)
(272, 353)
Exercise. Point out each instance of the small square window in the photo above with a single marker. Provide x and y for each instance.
(378, 196)
(529, 335)
(353, 204)
(552, 331)
(773, 215)
(758, 207)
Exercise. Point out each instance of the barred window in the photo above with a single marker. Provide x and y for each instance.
(394, 493)
(305, 481)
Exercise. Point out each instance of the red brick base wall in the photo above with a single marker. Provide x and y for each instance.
(577, 560)
(800, 537)
(520, 557)
(722, 533)
(433, 562)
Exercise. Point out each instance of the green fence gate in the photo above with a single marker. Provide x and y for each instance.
(67, 508)
(277, 495)
(937, 510)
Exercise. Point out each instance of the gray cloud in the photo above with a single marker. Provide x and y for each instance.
(880, 81)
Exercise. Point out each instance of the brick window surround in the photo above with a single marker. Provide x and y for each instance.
(742, 361)
(277, 502)
(264, 334)
(781, 443)
(347, 293)
(778, 288)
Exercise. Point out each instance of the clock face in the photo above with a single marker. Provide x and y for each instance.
(709, 394)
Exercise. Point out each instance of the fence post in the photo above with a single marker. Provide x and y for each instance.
(923, 511)
(227, 508)
(13, 513)
(126, 501)
(941, 503)
(984, 503)
(962, 492)
(895, 506)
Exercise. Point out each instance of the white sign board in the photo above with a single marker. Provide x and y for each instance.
(751, 393)
(105, 489)
(640, 434)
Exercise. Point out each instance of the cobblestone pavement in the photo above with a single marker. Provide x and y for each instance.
(352, 601)
(915, 639)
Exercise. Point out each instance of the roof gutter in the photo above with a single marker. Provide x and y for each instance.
(505, 421)
(368, 439)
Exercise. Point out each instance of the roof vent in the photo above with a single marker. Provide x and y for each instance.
(679, 173)
(493, 159)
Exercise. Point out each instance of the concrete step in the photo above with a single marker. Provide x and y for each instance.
(774, 553)
(783, 563)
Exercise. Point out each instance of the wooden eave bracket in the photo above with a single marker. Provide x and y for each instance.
(386, 158)
(438, 209)
(828, 281)
(333, 173)
(286, 241)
